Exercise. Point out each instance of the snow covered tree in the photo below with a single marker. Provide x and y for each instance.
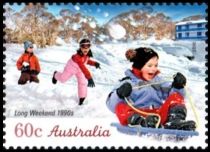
(36, 23)
(32, 23)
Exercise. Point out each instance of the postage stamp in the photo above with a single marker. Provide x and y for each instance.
(105, 75)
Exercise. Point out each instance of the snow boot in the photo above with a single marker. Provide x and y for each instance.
(151, 121)
(34, 79)
(136, 119)
(81, 100)
(54, 81)
(176, 119)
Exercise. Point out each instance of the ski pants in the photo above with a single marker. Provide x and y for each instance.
(124, 111)
(71, 69)
(26, 76)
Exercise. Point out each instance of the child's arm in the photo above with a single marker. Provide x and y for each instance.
(112, 100)
(118, 95)
(19, 63)
(34, 65)
(181, 91)
(94, 63)
(167, 89)
(38, 69)
(91, 62)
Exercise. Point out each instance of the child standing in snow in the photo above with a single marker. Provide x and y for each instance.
(28, 64)
(165, 99)
(77, 66)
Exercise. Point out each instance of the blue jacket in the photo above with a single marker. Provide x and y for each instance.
(145, 97)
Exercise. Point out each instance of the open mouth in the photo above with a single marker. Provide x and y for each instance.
(151, 74)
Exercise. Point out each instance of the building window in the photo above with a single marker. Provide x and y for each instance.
(199, 25)
(199, 33)
(179, 27)
(187, 34)
(187, 27)
(179, 35)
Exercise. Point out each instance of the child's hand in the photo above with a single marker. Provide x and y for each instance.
(25, 69)
(91, 83)
(97, 65)
(124, 90)
(179, 81)
(25, 64)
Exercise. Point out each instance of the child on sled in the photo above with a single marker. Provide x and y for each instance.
(165, 99)
(77, 66)
(28, 64)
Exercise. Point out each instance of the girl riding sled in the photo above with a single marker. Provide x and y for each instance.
(165, 99)
(77, 66)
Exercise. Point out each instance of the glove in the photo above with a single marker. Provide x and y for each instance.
(34, 72)
(97, 65)
(91, 83)
(179, 81)
(124, 90)
(25, 69)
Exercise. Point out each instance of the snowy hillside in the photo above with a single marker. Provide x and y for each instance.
(47, 96)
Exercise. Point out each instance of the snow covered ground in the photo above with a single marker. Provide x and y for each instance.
(47, 96)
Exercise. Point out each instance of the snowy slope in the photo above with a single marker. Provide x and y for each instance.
(47, 96)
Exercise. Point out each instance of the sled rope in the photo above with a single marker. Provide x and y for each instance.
(192, 106)
(159, 118)
(144, 113)
(146, 85)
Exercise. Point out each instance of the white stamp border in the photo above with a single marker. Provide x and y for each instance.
(104, 147)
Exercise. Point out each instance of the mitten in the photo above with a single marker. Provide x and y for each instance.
(91, 83)
(97, 65)
(124, 90)
(25, 69)
(179, 81)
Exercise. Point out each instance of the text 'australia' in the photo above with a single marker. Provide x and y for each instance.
(96, 131)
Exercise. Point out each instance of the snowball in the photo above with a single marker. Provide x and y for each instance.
(106, 14)
(117, 31)
(77, 8)
(93, 24)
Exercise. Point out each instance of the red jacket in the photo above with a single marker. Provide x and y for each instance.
(81, 60)
(31, 59)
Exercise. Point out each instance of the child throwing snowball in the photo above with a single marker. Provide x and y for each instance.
(76, 65)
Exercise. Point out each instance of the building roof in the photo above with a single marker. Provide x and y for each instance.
(192, 22)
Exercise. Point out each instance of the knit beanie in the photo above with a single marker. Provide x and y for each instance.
(141, 57)
(27, 44)
(84, 41)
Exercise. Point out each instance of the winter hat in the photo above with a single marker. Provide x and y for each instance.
(27, 44)
(84, 41)
(140, 56)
